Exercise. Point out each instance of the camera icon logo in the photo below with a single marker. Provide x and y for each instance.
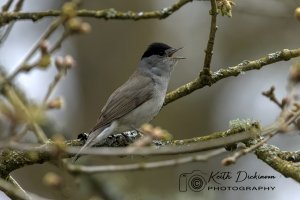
(194, 181)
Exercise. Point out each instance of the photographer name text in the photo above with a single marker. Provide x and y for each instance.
(238, 177)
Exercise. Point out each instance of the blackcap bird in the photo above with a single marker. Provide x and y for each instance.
(139, 99)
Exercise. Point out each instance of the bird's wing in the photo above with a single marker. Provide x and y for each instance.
(125, 99)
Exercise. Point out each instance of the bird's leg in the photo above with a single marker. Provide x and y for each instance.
(138, 130)
(126, 135)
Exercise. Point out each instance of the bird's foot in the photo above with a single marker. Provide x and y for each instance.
(83, 136)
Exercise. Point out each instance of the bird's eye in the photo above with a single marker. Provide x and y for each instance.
(161, 53)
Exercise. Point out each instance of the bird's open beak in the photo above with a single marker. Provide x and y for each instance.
(172, 51)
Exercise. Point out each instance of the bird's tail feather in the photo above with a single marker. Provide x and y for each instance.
(90, 142)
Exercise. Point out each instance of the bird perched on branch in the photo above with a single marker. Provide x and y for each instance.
(139, 99)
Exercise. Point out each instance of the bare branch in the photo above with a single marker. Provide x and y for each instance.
(79, 169)
(211, 39)
(64, 16)
(270, 94)
(17, 185)
(24, 67)
(232, 159)
(7, 5)
(62, 65)
(11, 191)
(9, 27)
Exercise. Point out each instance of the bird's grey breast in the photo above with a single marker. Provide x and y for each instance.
(150, 108)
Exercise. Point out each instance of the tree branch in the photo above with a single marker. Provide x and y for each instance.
(11, 191)
(211, 39)
(18, 186)
(20, 155)
(272, 156)
(80, 169)
(293, 156)
(222, 73)
(107, 14)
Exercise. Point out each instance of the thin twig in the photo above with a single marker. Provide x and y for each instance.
(6, 6)
(17, 185)
(211, 39)
(270, 94)
(142, 166)
(54, 25)
(232, 159)
(24, 66)
(59, 42)
(9, 27)
(12, 191)
(60, 73)
(20, 135)
(53, 84)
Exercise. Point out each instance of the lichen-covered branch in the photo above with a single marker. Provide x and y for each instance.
(293, 156)
(19, 155)
(111, 13)
(273, 157)
(222, 73)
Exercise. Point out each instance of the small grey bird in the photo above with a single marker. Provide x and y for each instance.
(139, 99)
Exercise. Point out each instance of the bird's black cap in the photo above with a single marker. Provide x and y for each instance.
(156, 49)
